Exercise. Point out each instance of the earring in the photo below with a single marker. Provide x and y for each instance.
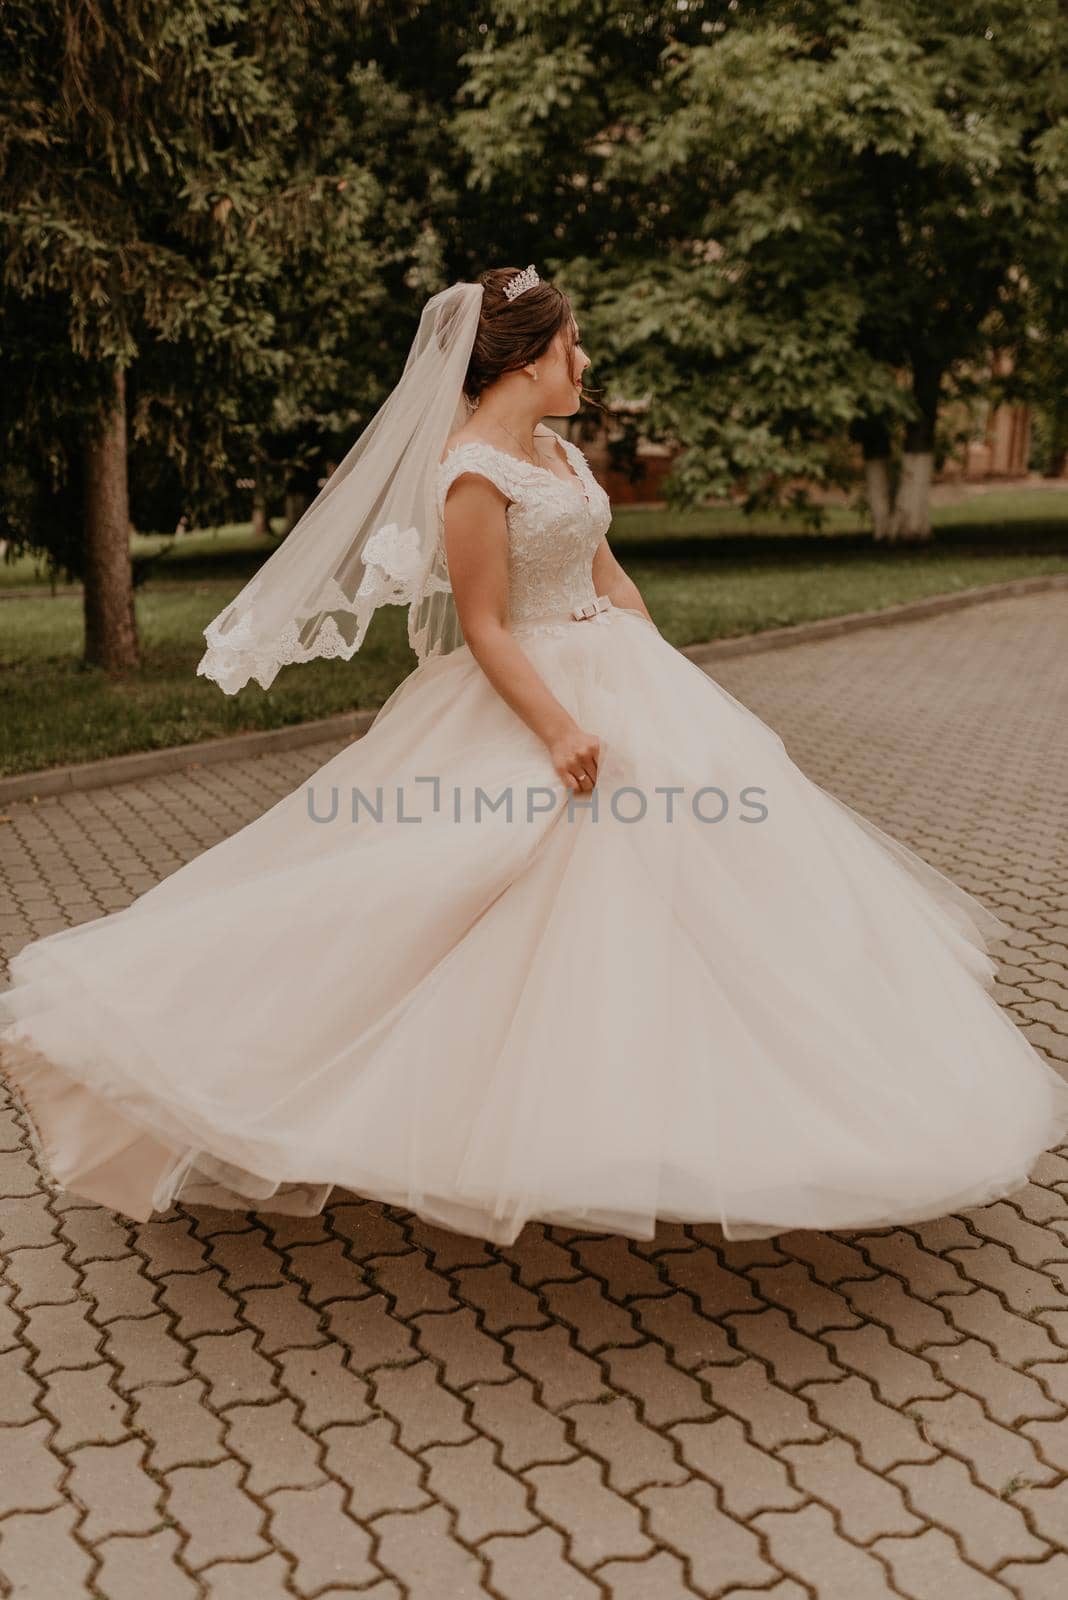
(534, 373)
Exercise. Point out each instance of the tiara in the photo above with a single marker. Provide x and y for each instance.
(522, 281)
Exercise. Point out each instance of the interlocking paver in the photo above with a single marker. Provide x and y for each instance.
(719, 1550)
(282, 1317)
(220, 1517)
(25, 1221)
(39, 1554)
(1016, 1339)
(866, 1504)
(371, 1332)
(526, 1431)
(749, 1479)
(925, 1273)
(467, 1355)
(716, 1289)
(279, 1454)
(120, 1289)
(504, 1303)
(598, 1521)
(85, 1406)
(199, 1304)
(807, 1541)
(1047, 1580)
(991, 1528)
(584, 1306)
(94, 1234)
(180, 1428)
(793, 1357)
(19, 1389)
(223, 1405)
(234, 1368)
(897, 1376)
(326, 1269)
(486, 1498)
(1048, 1508)
(563, 1374)
(425, 1411)
(264, 1579)
(134, 1568)
(660, 1577)
(928, 1566)
(911, 1322)
(1023, 1287)
(31, 1471)
(812, 1306)
(883, 1436)
(328, 1545)
(1006, 1395)
(169, 1246)
(535, 1566)
(379, 1475)
(324, 1386)
(61, 1336)
(1004, 1224)
(664, 1394)
(145, 1350)
(690, 1338)
(248, 1261)
(995, 1454)
(410, 1288)
(421, 1551)
(111, 1481)
(774, 1416)
(634, 1454)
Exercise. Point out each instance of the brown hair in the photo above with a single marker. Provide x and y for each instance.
(512, 332)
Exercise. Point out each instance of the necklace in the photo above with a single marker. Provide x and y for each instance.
(530, 457)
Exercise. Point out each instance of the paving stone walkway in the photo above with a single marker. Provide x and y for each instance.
(242, 1406)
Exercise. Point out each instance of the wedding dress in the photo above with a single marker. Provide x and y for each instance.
(708, 991)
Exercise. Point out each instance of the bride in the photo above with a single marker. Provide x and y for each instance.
(566, 935)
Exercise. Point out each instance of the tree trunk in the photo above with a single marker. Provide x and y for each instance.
(296, 503)
(911, 518)
(912, 508)
(880, 494)
(259, 511)
(260, 524)
(110, 621)
(1057, 463)
(874, 438)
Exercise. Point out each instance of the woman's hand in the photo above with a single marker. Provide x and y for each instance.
(575, 755)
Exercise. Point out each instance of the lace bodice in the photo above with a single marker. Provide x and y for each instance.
(554, 526)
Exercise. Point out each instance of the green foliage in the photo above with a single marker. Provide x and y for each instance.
(783, 223)
(165, 184)
(780, 218)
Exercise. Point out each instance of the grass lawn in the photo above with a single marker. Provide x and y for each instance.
(704, 574)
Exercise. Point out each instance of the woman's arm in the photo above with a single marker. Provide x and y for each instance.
(476, 549)
(610, 579)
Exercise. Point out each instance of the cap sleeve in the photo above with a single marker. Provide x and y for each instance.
(474, 456)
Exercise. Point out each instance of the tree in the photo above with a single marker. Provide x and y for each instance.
(151, 193)
(783, 219)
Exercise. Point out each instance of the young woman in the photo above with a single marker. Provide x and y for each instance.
(566, 935)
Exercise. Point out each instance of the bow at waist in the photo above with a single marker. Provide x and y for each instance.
(580, 613)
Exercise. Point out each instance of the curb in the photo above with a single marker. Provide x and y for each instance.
(151, 763)
(907, 611)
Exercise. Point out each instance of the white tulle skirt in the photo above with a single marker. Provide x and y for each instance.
(720, 995)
